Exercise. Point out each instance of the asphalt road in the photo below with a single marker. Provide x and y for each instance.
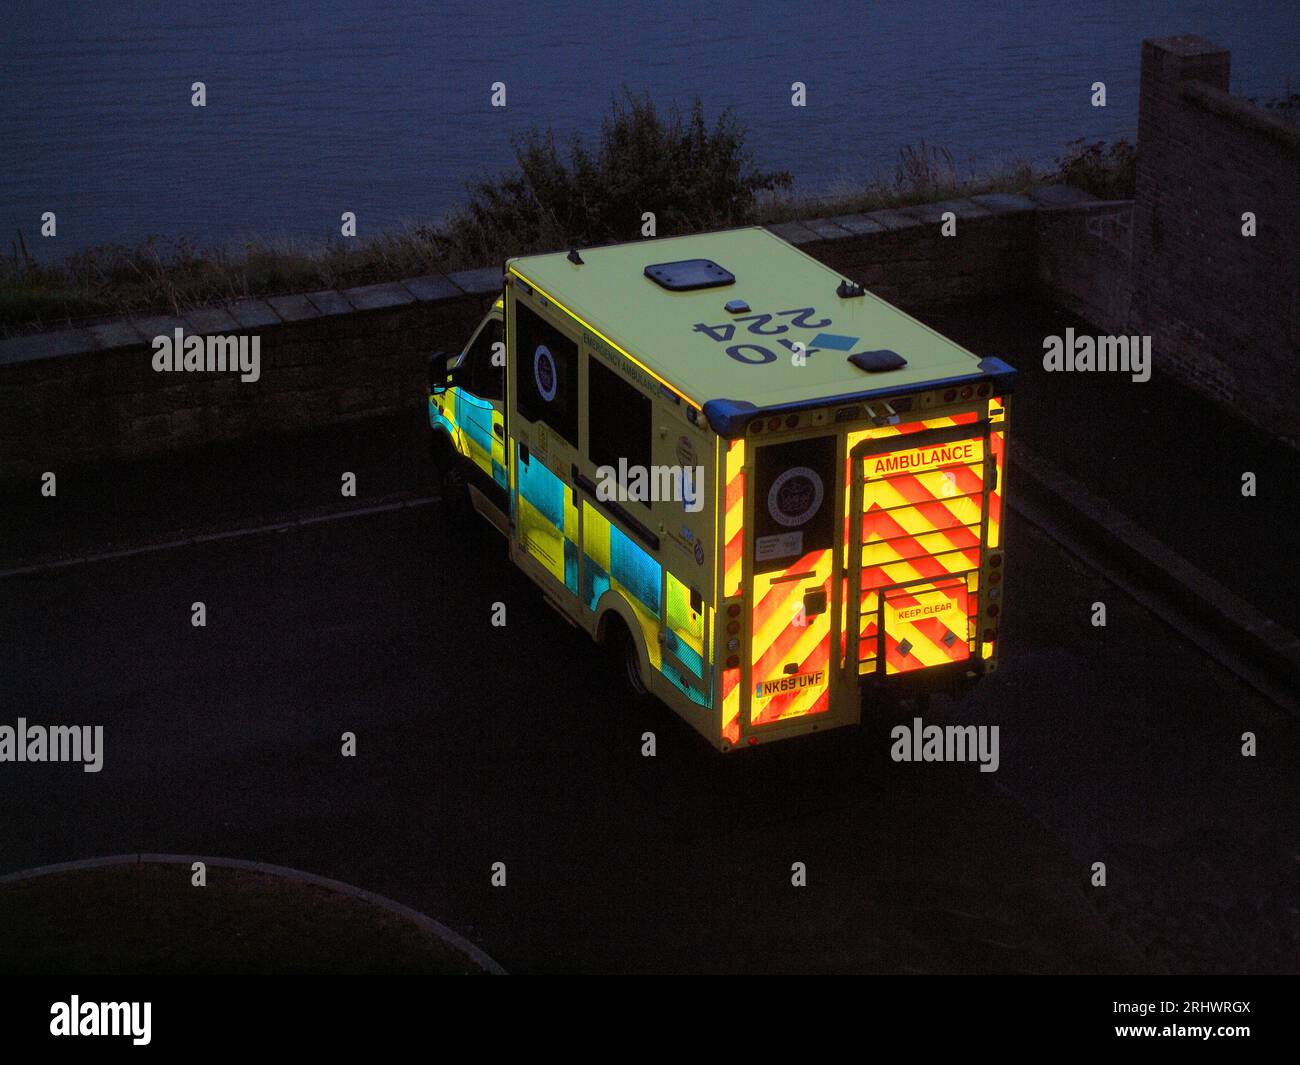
(1157, 451)
(479, 744)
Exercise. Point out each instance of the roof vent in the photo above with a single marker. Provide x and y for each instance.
(574, 257)
(848, 290)
(687, 274)
(737, 307)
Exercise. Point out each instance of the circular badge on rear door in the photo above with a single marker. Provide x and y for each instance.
(544, 372)
(795, 496)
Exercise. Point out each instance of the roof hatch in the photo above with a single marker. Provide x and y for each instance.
(687, 274)
(881, 361)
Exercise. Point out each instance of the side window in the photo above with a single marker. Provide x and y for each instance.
(481, 377)
(546, 374)
(618, 420)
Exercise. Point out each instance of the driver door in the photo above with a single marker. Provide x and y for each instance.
(479, 397)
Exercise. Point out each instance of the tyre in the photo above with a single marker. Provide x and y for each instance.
(453, 486)
(623, 655)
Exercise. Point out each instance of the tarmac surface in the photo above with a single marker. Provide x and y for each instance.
(1164, 455)
(478, 744)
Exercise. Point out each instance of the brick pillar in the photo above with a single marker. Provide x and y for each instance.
(1166, 63)
(1164, 159)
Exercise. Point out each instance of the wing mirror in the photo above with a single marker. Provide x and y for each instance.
(438, 372)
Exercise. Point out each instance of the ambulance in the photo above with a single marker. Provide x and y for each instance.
(827, 529)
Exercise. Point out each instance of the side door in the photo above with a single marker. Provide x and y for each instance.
(544, 421)
(477, 394)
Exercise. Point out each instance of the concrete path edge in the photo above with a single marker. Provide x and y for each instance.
(1042, 491)
(435, 928)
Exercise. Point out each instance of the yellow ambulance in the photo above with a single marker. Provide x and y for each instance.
(775, 496)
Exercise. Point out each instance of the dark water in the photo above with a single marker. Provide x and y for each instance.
(383, 108)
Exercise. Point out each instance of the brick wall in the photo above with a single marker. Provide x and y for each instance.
(902, 256)
(91, 395)
(1221, 307)
(1084, 260)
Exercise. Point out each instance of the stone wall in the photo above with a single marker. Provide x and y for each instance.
(1223, 309)
(90, 395)
(1084, 261)
(902, 256)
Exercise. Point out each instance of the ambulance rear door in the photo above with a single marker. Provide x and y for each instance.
(915, 549)
(792, 543)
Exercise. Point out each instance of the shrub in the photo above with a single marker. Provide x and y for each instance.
(692, 177)
(1285, 107)
(1108, 173)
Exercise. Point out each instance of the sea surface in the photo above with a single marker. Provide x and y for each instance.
(384, 108)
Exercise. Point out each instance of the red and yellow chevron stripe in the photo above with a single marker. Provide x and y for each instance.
(922, 516)
(926, 626)
(783, 636)
(997, 447)
(733, 522)
(731, 705)
(733, 555)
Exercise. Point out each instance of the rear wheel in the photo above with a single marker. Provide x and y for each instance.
(453, 487)
(623, 654)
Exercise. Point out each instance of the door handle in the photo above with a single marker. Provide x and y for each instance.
(814, 602)
(500, 433)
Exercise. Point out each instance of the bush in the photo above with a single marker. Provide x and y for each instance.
(1286, 107)
(1107, 173)
(691, 177)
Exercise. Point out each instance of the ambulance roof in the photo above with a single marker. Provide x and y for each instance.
(683, 337)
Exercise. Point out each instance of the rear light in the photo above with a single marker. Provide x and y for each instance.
(950, 395)
(733, 610)
(967, 392)
(756, 426)
(995, 576)
(733, 662)
(733, 627)
(733, 645)
(993, 610)
(792, 421)
(773, 424)
(995, 561)
(984, 390)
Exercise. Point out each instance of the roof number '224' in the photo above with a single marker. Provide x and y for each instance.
(764, 325)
